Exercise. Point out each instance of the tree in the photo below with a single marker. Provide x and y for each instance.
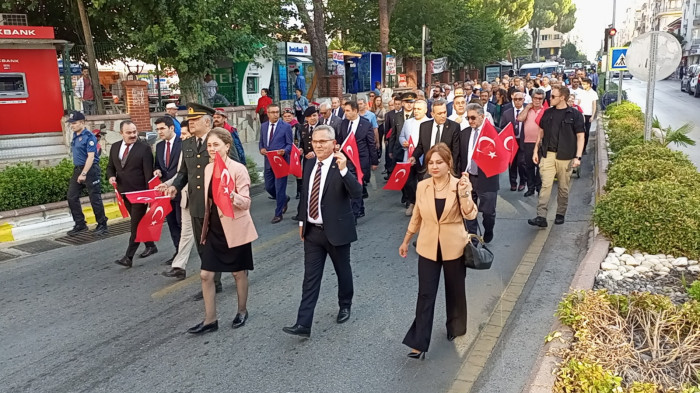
(314, 20)
(560, 14)
(386, 8)
(570, 53)
(515, 13)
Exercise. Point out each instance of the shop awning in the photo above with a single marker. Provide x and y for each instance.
(345, 53)
(300, 59)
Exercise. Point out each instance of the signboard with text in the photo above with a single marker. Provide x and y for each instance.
(26, 32)
(390, 65)
(298, 49)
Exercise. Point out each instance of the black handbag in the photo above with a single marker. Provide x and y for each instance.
(477, 257)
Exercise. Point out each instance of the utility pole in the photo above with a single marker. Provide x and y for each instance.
(425, 37)
(92, 63)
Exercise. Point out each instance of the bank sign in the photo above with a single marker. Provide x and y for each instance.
(298, 49)
(27, 32)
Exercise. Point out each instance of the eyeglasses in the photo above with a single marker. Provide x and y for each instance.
(518, 99)
(553, 96)
(321, 141)
(472, 117)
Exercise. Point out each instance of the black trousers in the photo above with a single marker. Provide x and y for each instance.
(486, 202)
(316, 248)
(532, 170)
(358, 205)
(409, 189)
(381, 142)
(93, 184)
(197, 224)
(174, 220)
(136, 212)
(517, 167)
(418, 336)
(587, 131)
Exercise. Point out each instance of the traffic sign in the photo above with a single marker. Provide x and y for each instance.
(618, 59)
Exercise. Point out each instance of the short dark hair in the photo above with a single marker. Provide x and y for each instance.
(266, 90)
(564, 91)
(125, 123)
(273, 105)
(296, 70)
(185, 123)
(167, 120)
(587, 80)
(353, 105)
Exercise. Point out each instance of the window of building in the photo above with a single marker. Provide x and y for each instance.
(545, 37)
(557, 36)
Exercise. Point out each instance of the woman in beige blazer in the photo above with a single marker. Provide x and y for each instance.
(442, 204)
(227, 241)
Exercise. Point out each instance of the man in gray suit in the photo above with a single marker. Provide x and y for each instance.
(328, 118)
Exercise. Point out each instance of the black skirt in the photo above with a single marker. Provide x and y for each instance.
(217, 256)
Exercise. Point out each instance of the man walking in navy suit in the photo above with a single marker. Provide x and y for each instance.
(276, 136)
(366, 148)
(167, 160)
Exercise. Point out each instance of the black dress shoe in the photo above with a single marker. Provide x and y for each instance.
(387, 177)
(200, 295)
(175, 272)
(538, 222)
(297, 330)
(416, 355)
(77, 229)
(365, 195)
(125, 261)
(450, 337)
(513, 188)
(148, 252)
(298, 195)
(169, 261)
(559, 219)
(271, 197)
(276, 219)
(239, 320)
(488, 236)
(286, 204)
(343, 315)
(521, 187)
(202, 328)
(101, 230)
(530, 192)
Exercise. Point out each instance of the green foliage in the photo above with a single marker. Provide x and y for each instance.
(566, 308)
(678, 136)
(624, 109)
(252, 171)
(659, 216)
(625, 131)
(583, 376)
(694, 290)
(571, 53)
(651, 151)
(643, 387)
(634, 169)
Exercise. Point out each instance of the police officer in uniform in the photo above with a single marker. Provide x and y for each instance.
(191, 174)
(86, 173)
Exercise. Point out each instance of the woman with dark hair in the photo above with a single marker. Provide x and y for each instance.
(263, 102)
(443, 202)
(502, 103)
(300, 105)
(380, 113)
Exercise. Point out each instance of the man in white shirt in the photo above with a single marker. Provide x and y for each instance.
(588, 101)
(211, 91)
(411, 130)
(459, 114)
(576, 90)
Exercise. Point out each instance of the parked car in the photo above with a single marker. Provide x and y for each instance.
(690, 80)
(625, 74)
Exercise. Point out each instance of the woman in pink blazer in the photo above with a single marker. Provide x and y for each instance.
(227, 241)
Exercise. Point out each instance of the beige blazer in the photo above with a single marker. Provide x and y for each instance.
(240, 229)
(449, 231)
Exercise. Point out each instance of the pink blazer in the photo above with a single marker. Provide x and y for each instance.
(240, 229)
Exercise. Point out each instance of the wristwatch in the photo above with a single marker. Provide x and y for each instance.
(83, 174)
(578, 158)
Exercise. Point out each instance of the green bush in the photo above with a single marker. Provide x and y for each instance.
(252, 171)
(624, 109)
(625, 131)
(659, 216)
(631, 170)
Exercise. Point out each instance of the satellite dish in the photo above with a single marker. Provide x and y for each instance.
(668, 55)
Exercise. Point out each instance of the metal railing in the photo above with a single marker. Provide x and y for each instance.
(13, 20)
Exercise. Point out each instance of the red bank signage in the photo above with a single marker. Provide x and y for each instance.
(27, 32)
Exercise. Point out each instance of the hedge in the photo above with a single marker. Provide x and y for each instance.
(651, 151)
(625, 131)
(631, 170)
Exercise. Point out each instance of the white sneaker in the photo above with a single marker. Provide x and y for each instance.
(409, 211)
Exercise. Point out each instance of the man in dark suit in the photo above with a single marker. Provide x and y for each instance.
(394, 147)
(510, 116)
(487, 104)
(191, 173)
(167, 159)
(328, 227)
(328, 118)
(130, 166)
(484, 189)
(277, 136)
(389, 125)
(366, 149)
(337, 108)
(440, 129)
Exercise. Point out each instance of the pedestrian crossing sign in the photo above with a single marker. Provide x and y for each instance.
(618, 59)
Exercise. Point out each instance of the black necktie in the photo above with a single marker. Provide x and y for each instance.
(199, 143)
(272, 131)
(349, 128)
(517, 113)
(437, 136)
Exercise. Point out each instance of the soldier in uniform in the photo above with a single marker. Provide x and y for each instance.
(307, 152)
(191, 174)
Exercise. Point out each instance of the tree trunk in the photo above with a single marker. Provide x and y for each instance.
(386, 8)
(316, 34)
(190, 87)
(535, 45)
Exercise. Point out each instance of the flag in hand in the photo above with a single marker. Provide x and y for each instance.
(151, 224)
(223, 186)
(399, 176)
(295, 162)
(411, 146)
(507, 138)
(539, 115)
(279, 165)
(490, 154)
(153, 183)
(145, 196)
(389, 133)
(120, 202)
(349, 147)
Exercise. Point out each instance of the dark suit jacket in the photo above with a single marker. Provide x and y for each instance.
(450, 135)
(341, 112)
(509, 117)
(397, 124)
(366, 147)
(483, 183)
(169, 171)
(305, 139)
(191, 174)
(335, 122)
(136, 172)
(282, 139)
(336, 210)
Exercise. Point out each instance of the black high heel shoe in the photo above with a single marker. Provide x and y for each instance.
(417, 355)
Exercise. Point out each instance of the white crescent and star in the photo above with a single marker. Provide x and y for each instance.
(158, 209)
(487, 139)
(275, 159)
(505, 142)
(144, 199)
(399, 175)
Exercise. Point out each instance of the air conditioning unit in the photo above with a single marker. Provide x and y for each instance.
(13, 20)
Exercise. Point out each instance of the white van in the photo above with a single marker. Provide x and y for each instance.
(546, 68)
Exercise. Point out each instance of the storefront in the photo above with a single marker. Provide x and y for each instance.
(30, 86)
(296, 55)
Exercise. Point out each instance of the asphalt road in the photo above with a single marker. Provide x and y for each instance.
(73, 321)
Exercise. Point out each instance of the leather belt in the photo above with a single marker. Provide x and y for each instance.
(319, 226)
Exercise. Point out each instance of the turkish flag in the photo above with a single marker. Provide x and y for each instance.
(151, 224)
(349, 147)
(120, 202)
(411, 146)
(145, 196)
(295, 162)
(490, 154)
(507, 138)
(398, 176)
(278, 164)
(223, 186)
(539, 116)
(153, 183)
(388, 134)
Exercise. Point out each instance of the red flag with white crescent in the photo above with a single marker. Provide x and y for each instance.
(349, 147)
(489, 154)
(295, 162)
(120, 202)
(144, 196)
(223, 186)
(411, 146)
(151, 225)
(399, 176)
(279, 165)
(507, 139)
(153, 183)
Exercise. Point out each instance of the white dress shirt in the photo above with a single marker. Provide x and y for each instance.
(353, 125)
(464, 124)
(471, 165)
(324, 174)
(434, 131)
(411, 128)
(123, 148)
(518, 129)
